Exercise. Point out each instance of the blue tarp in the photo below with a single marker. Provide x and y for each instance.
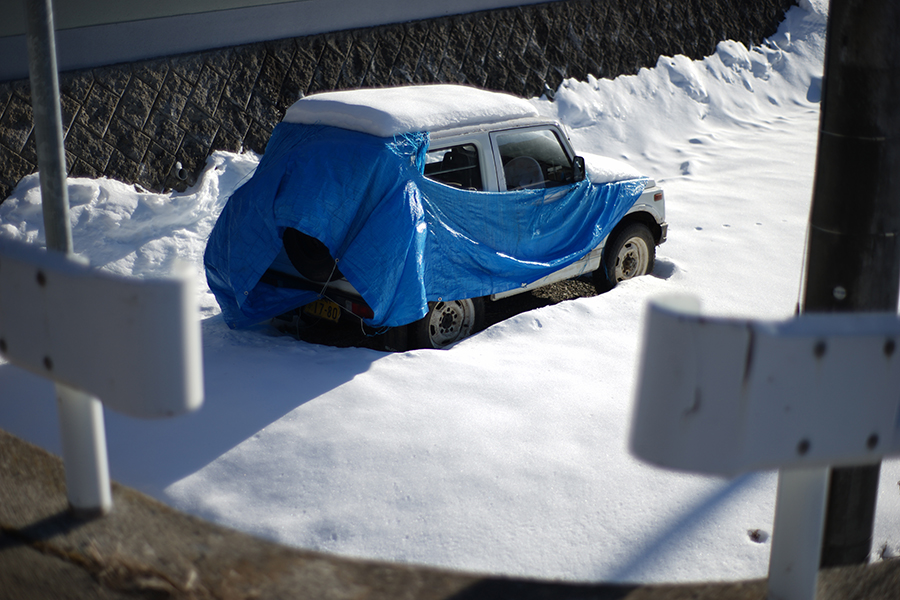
(401, 239)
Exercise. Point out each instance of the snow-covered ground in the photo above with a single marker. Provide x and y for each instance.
(506, 453)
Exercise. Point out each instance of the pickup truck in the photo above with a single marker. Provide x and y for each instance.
(506, 206)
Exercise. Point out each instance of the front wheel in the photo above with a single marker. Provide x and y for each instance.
(631, 253)
(447, 322)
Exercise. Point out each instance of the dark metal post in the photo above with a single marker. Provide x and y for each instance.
(853, 261)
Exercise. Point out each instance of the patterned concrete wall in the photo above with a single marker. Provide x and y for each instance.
(155, 122)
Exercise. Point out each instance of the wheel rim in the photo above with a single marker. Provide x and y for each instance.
(449, 322)
(633, 259)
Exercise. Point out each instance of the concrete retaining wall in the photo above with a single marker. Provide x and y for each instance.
(155, 122)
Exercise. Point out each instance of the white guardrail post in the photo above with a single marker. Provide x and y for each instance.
(84, 452)
(724, 396)
(797, 532)
(133, 343)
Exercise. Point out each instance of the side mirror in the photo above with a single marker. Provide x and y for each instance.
(579, 168)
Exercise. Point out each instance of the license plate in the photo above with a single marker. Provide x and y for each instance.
(325, 309)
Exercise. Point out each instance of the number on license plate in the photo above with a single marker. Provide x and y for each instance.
(325, 309)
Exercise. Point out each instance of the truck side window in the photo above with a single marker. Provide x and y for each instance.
(534, 159)
(457, 166)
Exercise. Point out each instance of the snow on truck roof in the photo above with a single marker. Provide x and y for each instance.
(385, 112)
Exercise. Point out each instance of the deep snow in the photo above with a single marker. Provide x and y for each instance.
(506, 453)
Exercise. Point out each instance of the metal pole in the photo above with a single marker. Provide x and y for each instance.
(81, 416)
(853, 261)
(48, 125)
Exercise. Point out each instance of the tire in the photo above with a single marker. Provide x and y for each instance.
(447, 323)
(631, 253)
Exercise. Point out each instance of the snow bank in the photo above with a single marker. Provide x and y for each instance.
(130, 231)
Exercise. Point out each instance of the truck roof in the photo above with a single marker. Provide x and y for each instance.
(385, 112)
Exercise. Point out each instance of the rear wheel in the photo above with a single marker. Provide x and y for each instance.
(446, 323)
(631, 253)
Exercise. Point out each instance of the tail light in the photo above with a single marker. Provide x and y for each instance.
(361, 310)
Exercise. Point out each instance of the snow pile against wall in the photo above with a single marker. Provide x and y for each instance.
(155, 122)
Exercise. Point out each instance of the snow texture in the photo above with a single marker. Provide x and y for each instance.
(603, 169)
(506, 453)
(386, 112)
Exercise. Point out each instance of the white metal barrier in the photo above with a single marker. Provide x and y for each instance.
(133, 343)
(723, 396)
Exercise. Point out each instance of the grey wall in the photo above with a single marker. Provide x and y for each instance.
(135, 121)
(93, 33)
